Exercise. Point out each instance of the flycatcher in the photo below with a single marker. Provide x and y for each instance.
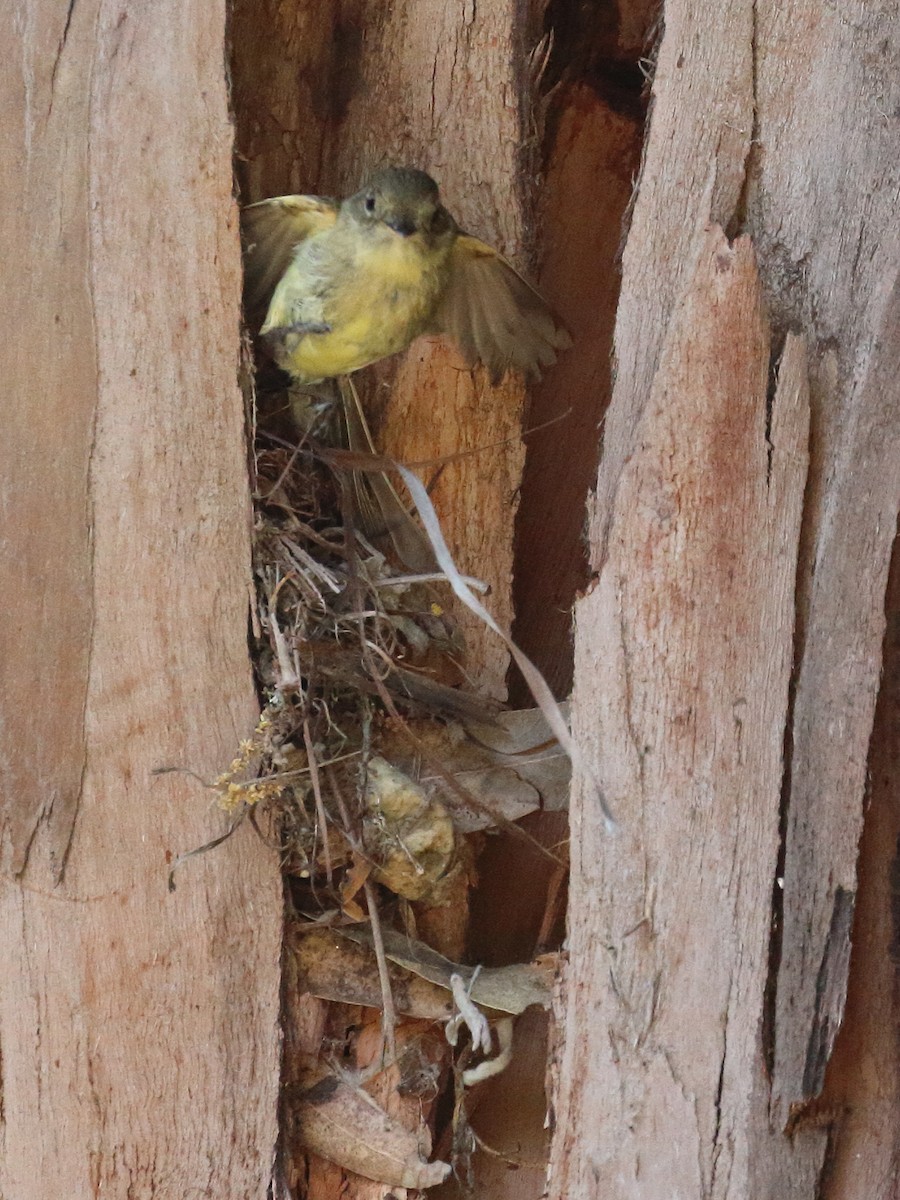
(344, 284)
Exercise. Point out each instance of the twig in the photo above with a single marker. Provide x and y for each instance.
(390, 581)
(389, 1014)
(507, 1158)
(182, 858)
(317, 793)
(290, 678)
(263, 496)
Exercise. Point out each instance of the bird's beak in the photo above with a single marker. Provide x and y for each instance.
(404, 227)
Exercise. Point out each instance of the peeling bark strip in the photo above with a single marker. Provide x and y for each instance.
(831, 992)
(823, 208)
(137, 1030)
(684, 656)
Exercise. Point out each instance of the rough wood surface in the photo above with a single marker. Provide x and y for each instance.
(51, 368)
(682, 699)
(823, 206)
(138, 1028)
(289, 85)
(862, 1085)
(775, 122)
(702, 103)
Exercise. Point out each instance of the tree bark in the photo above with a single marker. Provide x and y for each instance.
(138, 1029)
(862, 1086)
(728, 655)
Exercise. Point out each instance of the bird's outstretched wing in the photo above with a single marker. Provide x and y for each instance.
(271, 231)
(494, 315)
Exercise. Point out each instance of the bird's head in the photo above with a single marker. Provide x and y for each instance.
(406, 202)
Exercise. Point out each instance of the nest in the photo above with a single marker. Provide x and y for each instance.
(350, 646)
(372, 765)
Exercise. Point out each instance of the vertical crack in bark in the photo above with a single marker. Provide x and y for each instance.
(59, 852)
(434, 64)
(717, 1146)
(20, 857)
(768, 1031)
(831, 992)
(717, 1127)
(65, 33)
(754, 68)
(737, 225)
(59, 53)
(771, 391)
(894, 947)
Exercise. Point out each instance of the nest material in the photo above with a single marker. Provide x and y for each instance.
(347, 644)
(362, 674)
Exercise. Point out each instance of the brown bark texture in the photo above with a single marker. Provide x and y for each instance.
(862, 1084)
(138, 1028)
(728, 655)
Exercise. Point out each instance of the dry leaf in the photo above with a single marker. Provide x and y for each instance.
(353, 881)
(334, 968)
(509, 989)
(346, 1126)
(511, 766)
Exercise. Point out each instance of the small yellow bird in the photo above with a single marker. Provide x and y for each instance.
(344, 284)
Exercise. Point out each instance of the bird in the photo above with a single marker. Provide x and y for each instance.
(339, 285)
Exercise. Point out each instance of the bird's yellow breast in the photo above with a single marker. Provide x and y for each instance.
(375, 291)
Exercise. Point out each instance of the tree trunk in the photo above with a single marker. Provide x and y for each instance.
(728, 654)
(138, 1029)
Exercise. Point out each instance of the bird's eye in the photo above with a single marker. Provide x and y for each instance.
(370, 204)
